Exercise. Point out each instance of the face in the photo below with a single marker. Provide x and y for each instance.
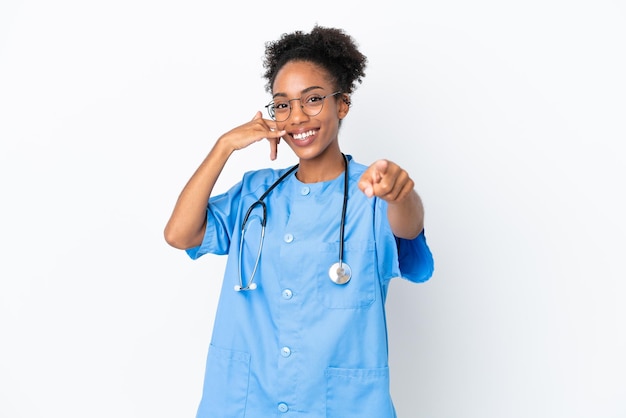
(310, 137)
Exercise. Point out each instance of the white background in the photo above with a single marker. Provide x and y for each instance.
(510, 116)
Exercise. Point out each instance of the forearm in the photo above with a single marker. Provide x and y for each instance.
(406, 216)
(185, 228)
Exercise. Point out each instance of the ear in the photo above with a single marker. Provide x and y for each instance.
(344, 106)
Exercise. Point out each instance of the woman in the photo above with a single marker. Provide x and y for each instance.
(300, 327)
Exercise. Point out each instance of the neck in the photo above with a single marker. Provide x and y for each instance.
(311, 171)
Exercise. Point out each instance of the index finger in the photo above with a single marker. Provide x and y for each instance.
(375, 172)
(381, 166)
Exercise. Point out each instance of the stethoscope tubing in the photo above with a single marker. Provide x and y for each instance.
(342, 226)
(251, 285)
(337, 273)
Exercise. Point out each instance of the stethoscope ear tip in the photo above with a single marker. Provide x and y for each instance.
(237, 288)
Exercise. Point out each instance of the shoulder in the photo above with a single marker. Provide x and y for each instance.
(265, 177)
(355, 168)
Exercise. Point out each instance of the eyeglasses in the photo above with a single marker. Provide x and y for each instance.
(311, 106)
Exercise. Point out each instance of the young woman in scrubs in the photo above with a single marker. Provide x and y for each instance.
(300, 329)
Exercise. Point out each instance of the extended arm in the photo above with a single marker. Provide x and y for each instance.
(391, 183)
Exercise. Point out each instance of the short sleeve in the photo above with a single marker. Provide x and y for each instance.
(410, 259)
(221, 218)
(415, 258)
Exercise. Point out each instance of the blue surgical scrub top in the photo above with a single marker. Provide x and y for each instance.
(300, 345)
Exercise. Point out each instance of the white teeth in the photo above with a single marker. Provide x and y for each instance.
(304, 135)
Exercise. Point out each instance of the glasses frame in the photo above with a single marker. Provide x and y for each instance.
(272, 113)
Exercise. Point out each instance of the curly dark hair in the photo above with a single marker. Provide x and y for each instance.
(330, 48)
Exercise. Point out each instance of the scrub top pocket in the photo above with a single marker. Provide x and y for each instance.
(226, 392)
(360, 291)
(358, 393)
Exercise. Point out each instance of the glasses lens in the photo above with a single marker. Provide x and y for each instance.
(312, 105)
(281, 110)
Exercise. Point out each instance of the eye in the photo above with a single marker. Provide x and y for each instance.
(281, 105)
(313, 99)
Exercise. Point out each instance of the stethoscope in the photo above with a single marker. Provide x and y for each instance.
(339, 273)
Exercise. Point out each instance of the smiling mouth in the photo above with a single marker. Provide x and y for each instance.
(303, 135)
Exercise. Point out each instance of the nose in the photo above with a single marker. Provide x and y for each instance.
(297, 113)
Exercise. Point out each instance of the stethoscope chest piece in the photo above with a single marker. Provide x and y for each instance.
(340, 273)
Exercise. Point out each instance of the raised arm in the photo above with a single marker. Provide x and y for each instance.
(186, 226)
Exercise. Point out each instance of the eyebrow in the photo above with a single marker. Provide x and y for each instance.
(306, 90)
